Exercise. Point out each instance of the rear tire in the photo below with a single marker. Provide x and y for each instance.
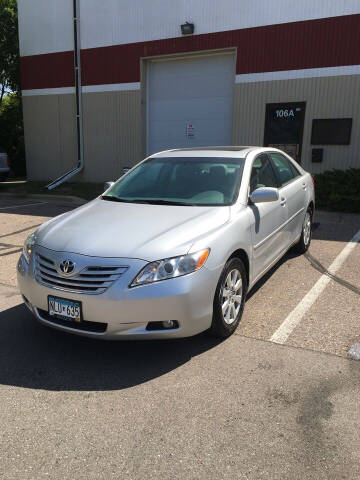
(306, 233)
(229, 299)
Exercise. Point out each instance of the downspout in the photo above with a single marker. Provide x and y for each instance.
(78, 95)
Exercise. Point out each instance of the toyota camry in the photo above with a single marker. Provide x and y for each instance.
(172, 248)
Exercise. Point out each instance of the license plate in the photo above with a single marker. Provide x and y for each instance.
(64, 308)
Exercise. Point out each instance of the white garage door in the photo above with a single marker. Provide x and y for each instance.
(190, 102)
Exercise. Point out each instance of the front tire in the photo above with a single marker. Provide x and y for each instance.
(306, 233)
(229, 299)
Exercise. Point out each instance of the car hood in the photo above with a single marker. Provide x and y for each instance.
(129, 230)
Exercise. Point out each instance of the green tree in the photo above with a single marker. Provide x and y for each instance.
(9, 48)
(11, 120)
(12, 132)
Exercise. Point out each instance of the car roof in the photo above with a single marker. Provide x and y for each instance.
(226, 151)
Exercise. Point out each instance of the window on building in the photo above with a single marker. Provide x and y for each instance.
(331, 131)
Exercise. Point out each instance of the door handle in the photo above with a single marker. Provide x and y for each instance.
(304, 186)
(283, 202)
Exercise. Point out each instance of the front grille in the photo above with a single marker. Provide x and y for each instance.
(84, 326)
(91, 279)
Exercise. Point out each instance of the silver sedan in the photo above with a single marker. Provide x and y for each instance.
(172, 248)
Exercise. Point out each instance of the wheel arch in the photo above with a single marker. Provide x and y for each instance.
(311, 206)
(243, 256)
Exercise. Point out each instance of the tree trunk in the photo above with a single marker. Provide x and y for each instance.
(2, 92)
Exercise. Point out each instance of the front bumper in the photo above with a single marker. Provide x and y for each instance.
(127, 311)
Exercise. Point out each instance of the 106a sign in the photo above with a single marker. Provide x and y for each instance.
(285, 113)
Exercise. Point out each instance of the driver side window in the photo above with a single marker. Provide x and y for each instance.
(262, 174)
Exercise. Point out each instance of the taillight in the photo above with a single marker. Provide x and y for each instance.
(313, 181)
(8, 161)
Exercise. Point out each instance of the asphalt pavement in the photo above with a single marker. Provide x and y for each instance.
(255, 406)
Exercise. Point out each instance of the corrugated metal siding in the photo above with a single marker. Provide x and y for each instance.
(113, 22)
(45, 26)
(54, 70)
(112, 133)
(112, 125)
(50, 135)
(326, 97)
(329, 42)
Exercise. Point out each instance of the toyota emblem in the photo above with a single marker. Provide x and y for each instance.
(67, 266)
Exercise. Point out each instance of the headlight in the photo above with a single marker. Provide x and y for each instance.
(171, 268)
(28, 246)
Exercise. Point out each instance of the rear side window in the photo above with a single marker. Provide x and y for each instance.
(285, 169)
(262, 174)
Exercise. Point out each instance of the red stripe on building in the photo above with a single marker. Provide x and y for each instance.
(51, 70)
(327, 42)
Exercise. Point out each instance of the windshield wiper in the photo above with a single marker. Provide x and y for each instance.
(110, 198)
(162, 202)
(146, 201)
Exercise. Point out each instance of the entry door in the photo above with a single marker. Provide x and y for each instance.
(284, 125)
(190, 102)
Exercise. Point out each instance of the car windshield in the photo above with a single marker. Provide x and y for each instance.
(188, 181)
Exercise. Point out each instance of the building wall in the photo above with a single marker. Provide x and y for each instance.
(46, 26)
(112, 133)
(113, 125)
(50, 135)
(325, 97)
(324, 43)
(286, 51)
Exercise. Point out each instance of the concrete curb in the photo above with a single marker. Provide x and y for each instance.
(37, 196)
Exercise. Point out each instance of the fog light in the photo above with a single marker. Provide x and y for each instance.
(168, 324)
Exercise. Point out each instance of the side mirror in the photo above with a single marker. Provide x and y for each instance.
(108, 185)
(264, 194)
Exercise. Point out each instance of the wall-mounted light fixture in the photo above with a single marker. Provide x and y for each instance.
(187, 28)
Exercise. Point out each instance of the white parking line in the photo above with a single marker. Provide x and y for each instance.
(295, 317)
(24, 205)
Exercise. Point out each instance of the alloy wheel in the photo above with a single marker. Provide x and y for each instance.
(307, 228)
(231, 296)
